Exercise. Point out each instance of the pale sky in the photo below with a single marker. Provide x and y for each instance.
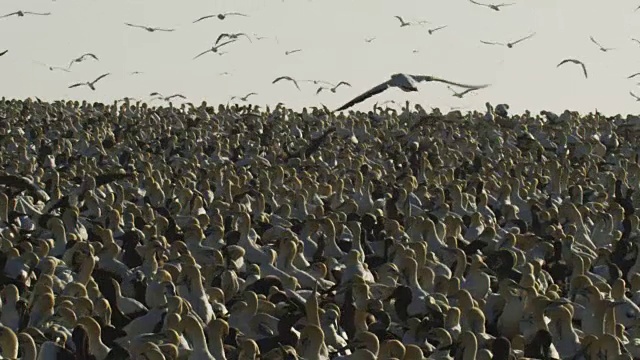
(331, 35)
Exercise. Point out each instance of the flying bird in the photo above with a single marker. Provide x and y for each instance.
(90, 84)
(52, 68)
(431, 31)
(584, 68)
(20, 13)
(136, 73)
(333, 88)
(221, 16)
(289, 52)
(636, 40)
(460, 94)
(167, 98)
(243, 98)
(149, 28)
(633, 75)
(286, 78)
(405, 82)
(232, 37)
(402, 22)
(602, 48)
(369, 40)
(83, 58)
(214, 49)
(635, 96)
(509, 44)
(495, 7)
(3, 52)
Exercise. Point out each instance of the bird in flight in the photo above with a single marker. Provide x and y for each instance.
(289, 52)
(405, 82)
(232, 37)
(243, 98)
(636, 40)
(21, 13)
(402, 22)
(166, 98)
(214, 49)
(225, 73)
(634, 95)
(509, 44)
(431, 31)
(495, 7)
(52, 68)
(578, 62)
(333, 88)
(3, 52)
(369, 40)
(633, 75)
(82, 58)
(602, 48)
(221, 16)
(286, 78)
(136, 73)
(149, 28)
(460, 94)
(90, 84)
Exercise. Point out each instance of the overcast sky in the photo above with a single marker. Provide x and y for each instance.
(331, 35)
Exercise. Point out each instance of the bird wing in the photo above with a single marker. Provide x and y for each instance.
(523, 39)
(249, 94)
(634, 75)
(245, 35)
(90, 55)
(343, 83)
(155, 93)
(584, 69)
(399, 18)
(319, 90)
(3, 52)
(490, 43)
(287, 78)
(13, 13)
(136, 26)
(100, 77)
(225, 43)
(204, 17)
(36, 13)
(634, 95)
(595, 42)
(223, 35)
(235, 13)
(358, 99)
(421, 78)
(176, 95)
(636, 40)
(76, 85)
(441, 27)
(60, 68)
(507, 4)
(202, 53)
(477, 3)
(161, 29)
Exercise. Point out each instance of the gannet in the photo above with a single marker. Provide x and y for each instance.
(369, 40)
(509, 44)
(221, 16)
(634, 95)
(243, 98)
(214, 48)
(431, 31)
(167, 98)
(21, 13)
(495, 7)
(334, 88)
(231, 36)
(584, 68)
(90, 84)
(82, 58)
(602, 48)
(51, 68)
(148, 28)
(402, 22)
(3, 52)
(286, 78)
(289, 52)
(460, 94)
(406, 83)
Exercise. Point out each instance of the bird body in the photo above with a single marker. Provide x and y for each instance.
(287, 78)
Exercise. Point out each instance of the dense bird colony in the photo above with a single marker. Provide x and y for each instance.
(137, 232)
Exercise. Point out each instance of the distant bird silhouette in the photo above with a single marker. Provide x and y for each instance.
(406, 83)
(334, 88)
(232, 37)
(149, 28)
(90, 84)
(20, 13)
(225, 73)
(460, 94)
(431, 31)
(509, 44)
(289, 52)
(52, 68)
(286, 78)
(136, 73)
(243, 98)
(82, 58)
(584, 68)
(495, 7)
(167, 98)
(4, 52)
(220, 16)
(402, 22)
(214, 49)
(369, 40)
(636, 40)
(635, 96)
(602, 48)
(633, 75)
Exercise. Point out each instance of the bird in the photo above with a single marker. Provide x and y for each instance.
(289, 52)
(286, 78)
(334, 88)
(402, 22)
(431, 31)
(52, 68)
(220, 16)
(214, 49)
(90, 84)
(406, 83)
(136, 73)
(584, 68)
(3, 52)
(602, 48)
(148, 28)
(460, 94)
(82, 58)
(633, 75)
(369, 40)
(167, 98)
(21, 13)
(509, 44)
(635, 96)
(636, 40)
(243, 98)
(232, 37)
(495, 7)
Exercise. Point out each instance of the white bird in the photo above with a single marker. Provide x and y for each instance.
(289, 52)
(584, 68)
(495, 7)
(52, 68)
(90, 84)
(232, 36)
(243, 98)
(602, 48)
(460, 94)
(431, 31)
(167, 98)
(149, 28)
(286, 78)
(21, 13)
(214, 48)
(82, 58)
(369, 40)
(509, 44)
(3, 52)
(332, 89)
(402, 22)
(406, 83)
(220, 16)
